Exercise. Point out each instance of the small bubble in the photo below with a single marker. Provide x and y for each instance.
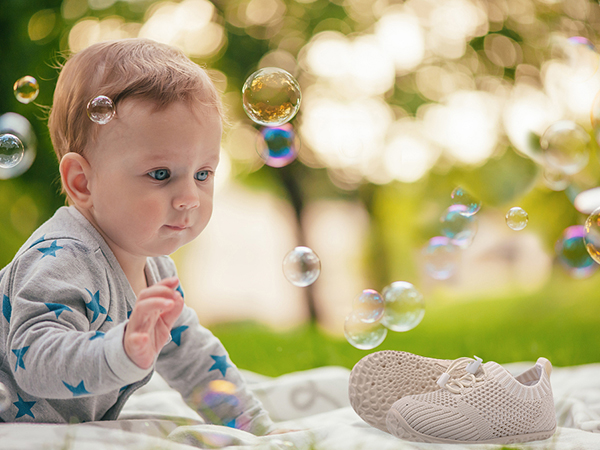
(278, 146)
(11, 150)
(461, 197)
(517, 218)
(301, 266)
(271, 96)
(369, 306)
(363, 335)
(26, 89)
(404, 306)
(101, 109)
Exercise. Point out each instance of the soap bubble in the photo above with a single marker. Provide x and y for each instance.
(271, 96)
(368, 306)
(440, 257)
(462, 197)
(517, 218)
(218, 403)
(301, 266)
(572, 252)
(26, 89)
(578, 54)
(404, 306)
(11, 150)
(458, 226)
(101, 109)
(592, 235)
(565, 146)
(555, 179)
(278, 146)
(363, 335)
(19, 126)
(4, 398)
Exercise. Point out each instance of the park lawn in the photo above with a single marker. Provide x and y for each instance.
(561, 322)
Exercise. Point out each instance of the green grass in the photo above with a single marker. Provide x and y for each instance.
(561, 322)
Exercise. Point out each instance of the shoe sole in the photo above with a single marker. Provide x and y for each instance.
(381, 378)
(397, 426)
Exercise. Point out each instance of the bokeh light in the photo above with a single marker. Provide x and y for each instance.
(404, 306)
(271, 96)
(572, 253)
(565, 147)
(11, 151)
(301, 266)
(278, 146)
(101, 109)
(363, 335)
(440, 258)
(368, 306)
(517, 218)
(26, 89)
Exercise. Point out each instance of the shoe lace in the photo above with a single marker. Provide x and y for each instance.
(467, 380)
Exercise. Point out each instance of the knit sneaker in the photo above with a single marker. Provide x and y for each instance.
(485, 405)
(381, 378)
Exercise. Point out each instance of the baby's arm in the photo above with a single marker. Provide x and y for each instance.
(155, 311)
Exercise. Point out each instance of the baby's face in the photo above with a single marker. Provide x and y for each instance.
(153, 176)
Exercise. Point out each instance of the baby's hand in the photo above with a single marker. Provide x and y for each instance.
(149, 328)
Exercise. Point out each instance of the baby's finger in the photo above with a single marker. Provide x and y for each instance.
(146, 313)
(171, 316)
(158, 290)
(171, 282)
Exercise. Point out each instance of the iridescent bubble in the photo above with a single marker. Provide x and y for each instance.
(271, 96)
(278, 146)
(11, 150)
(578, 54)
(218, 403)
(368, 306)
(440, 257)
(301, 266)
(565, 147)
(4, 398)
(363, 335)
(26, 89)
(592, 235)
(101, 109)
(555, 179)
(517, 218)
(404, 306)
(461, 197)
(457, 226)
(572, 252)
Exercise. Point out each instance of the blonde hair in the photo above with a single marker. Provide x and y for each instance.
(127, 68)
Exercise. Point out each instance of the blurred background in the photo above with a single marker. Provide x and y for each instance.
(402, 102)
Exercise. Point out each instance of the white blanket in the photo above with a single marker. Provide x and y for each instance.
(312, 408)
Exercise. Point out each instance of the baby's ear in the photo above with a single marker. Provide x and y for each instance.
(75, 172)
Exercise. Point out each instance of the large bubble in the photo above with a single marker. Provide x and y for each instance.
(565, 147)
(18, 126)
(404, 306)
(440, 255)
(368, 306)
(592, 235)
(578, 54)
(363, 335)
(458, 226)
(271, 96)
(572, 253)
(11, 150)
(301, 266)
(461, 197)
(101, 109)
(278, 146)
(26, 89)
(219, 403)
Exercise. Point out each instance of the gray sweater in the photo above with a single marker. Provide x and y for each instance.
(65, 302)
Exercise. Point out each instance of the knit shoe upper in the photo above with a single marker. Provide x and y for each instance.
(488, 405)
(381, 378)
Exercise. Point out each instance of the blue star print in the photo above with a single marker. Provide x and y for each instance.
(6, 308)
(129, 313)
(176, 334)
(220, 364)
(77, 390)
(20, 352)
(99, 334)
(57, 308)
(42, 239)
(24, 408)
(94, 305)
(178, 288)
(50, 251)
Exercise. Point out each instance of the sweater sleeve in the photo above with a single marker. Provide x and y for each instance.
(59, 298)
(196, 364)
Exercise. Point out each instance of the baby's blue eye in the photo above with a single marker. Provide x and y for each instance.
(159, 174)
(202, 175)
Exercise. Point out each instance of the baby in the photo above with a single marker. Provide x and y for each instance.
(90, 304)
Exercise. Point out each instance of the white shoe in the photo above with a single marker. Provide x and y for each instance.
(484, 405)
(381, 378)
